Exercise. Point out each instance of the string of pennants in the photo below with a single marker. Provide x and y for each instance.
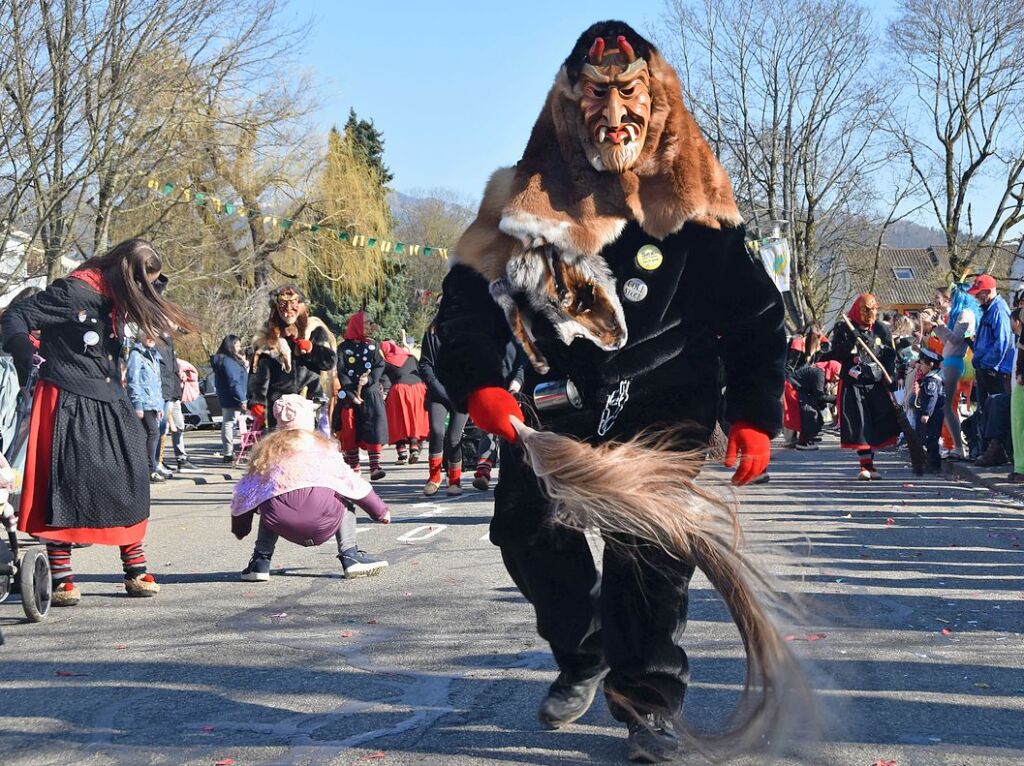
(221, 207)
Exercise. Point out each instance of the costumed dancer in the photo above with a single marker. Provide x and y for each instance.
(299, 485)
(406, 403)
(447, 422)
(613, 252)
(361, 420)
(867, 420)
(86, 470)
(928, 406)
(293, 353)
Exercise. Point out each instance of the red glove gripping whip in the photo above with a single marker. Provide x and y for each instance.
(754, 449)
(491, 408)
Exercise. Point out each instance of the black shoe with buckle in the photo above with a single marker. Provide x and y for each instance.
(653, 739)
(568, 700)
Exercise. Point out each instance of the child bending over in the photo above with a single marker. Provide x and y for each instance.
(298, 483)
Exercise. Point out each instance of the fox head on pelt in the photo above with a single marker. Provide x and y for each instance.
(614, 143)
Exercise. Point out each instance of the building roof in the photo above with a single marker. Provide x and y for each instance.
(907, 277)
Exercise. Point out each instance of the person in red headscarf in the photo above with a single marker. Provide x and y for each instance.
(360, 417)
(867, 419)
(406, 402)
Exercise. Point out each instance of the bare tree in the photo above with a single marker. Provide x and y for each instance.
(102, 94)
(963, 124)
(789, 100)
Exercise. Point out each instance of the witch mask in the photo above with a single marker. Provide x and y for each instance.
(615, 97)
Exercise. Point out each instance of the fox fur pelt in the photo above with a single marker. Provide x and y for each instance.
(270, 341)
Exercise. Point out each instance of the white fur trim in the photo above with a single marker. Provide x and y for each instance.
(528, 228)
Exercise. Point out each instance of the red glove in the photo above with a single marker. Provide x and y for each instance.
(303, 345)
(259, 416)
(491, 408)
(754, 448)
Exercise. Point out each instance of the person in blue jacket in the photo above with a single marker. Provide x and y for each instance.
(146, 393)
(231, 377)
(993, 356)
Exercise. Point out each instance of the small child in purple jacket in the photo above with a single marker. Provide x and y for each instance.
(300, 486)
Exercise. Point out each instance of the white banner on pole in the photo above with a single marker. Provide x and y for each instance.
(775, 257)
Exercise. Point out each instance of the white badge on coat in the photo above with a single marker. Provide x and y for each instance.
(635, 290)
(91, 338)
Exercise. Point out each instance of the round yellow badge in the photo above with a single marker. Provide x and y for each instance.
(649, 257)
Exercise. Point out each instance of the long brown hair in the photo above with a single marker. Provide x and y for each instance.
(127, 268)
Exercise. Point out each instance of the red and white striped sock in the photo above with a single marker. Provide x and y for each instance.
(59, 555)
(352, 458)
(133, 559)
(374, 453)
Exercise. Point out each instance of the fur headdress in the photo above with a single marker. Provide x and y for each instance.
(543, 223)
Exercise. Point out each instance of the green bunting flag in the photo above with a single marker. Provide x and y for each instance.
(205, 199)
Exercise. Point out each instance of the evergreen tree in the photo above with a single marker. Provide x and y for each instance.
(386, 303)
(369, 145)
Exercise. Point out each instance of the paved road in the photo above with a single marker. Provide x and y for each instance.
(437, 662)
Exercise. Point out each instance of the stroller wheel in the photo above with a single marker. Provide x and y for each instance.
(5, 587)
(36, 587)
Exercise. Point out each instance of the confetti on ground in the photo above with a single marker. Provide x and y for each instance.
(807, 637)
(890, 521)
(371, 622)
(120, 647)
(69, 673)
(947, 632)
(346, 634)
(208, 727)
(378, 754)
(885, 763)
(230, 761)
(279, 616)
(982, 685)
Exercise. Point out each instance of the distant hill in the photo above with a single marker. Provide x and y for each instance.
(910, 234)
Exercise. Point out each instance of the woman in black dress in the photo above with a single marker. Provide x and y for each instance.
(867, 419)
(86, 472)
(362, 421)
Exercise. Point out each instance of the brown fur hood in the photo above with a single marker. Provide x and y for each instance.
(555, 196)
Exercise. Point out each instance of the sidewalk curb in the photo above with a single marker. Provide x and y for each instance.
(969, 473)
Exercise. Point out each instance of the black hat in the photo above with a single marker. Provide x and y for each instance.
(927, 355)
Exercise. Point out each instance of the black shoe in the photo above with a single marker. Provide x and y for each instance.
(156, 478)
(359, 563)
(186, 466)
(377, 475)
(567, 700)
(652, 739)
(258, 569)
(481, 482)
(228, 459)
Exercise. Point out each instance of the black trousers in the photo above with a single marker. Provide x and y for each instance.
(446, 441)
(151, 423)
(630, 620)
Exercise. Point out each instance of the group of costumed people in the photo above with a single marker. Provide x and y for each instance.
(612, 255)
(935, 377)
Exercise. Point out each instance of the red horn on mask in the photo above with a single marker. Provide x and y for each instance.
(626, 48)
(596, 51)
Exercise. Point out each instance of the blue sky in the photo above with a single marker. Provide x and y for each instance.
(454, 85)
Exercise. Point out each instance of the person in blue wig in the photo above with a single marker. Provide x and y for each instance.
(963, 316)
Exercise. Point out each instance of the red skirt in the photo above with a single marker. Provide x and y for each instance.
(35, 494)
(407, 412)
(790, 407)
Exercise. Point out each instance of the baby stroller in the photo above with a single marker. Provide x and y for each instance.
(28, 573)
